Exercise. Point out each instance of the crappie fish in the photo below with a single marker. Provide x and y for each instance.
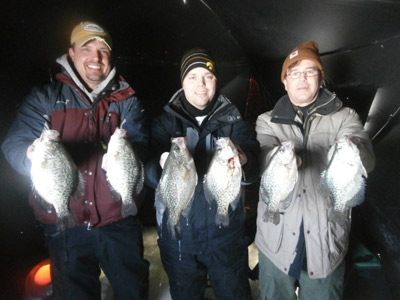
(278, 181)
(222, 182)
(344, 179)
(55, 177)
(176, 187)
(125, 172)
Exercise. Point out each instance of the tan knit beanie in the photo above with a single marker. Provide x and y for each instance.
(307, 50)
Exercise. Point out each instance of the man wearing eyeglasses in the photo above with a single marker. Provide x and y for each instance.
(306, 249)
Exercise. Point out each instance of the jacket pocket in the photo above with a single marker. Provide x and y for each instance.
(338, 236)
(271, 234)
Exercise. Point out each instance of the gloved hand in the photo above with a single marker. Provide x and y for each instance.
(242, 155)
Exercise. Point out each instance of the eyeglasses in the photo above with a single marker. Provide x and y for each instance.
(308, 73)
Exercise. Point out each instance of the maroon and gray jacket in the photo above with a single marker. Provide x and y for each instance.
(85, 128)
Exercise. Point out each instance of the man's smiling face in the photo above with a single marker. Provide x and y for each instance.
(92, 61)
(199, 86)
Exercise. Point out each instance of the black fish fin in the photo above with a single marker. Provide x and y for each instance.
(160, 208)
(113, 192)
(263, 195)
(175, 231)
(46, 206)
(271, 216)
(222, 220)
(338, 217)
(80, 187)
(140, 185)
(128, 209)
(64, 222)
(285, 203)
(185, 212)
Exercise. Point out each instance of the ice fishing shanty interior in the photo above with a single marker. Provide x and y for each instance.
(359, 44)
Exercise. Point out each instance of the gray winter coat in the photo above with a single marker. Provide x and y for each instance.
(326, 242)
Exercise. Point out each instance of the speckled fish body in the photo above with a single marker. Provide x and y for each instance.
(125, 172)
(55, 177)
(278, 181)
(176, 188)
(222, 182)
(344, 179)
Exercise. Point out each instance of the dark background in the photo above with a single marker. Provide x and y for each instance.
(359, 45)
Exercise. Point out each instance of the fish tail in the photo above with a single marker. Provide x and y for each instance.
(64, 222)
(222, 219)
(337, 217)
(128, 209)
(272, 216)
(160, 208)
(175, 231)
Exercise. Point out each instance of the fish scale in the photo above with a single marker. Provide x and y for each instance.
(125, 172)
(278, 181)
(344, 179)
(222, 183)
(176, 188)
(55, 177)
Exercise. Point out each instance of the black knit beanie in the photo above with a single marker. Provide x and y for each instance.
(196, 58)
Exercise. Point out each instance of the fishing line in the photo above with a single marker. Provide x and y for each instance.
(391, 116)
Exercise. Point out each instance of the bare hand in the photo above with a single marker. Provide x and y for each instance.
(163, 158)
(298, 161)
(30, 149)
(354, 139)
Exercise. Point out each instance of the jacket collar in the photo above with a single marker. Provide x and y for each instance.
(98, 92)
(224, 111)
(326, 103)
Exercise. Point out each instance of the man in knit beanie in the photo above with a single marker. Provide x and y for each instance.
(307, 247)
(308, 51)
(202, 247)
(302, 74)
(196, 58)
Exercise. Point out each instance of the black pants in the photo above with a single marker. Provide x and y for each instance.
(77, 254)
(227, 269)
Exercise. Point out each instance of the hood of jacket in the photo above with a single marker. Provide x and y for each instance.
(97, 93)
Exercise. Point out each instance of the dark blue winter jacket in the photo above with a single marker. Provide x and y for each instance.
(200, 234)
